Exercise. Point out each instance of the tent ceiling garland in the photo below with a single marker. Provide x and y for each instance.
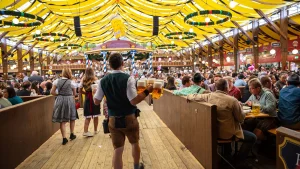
(136, 15)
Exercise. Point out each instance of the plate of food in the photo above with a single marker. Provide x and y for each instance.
(246, 108)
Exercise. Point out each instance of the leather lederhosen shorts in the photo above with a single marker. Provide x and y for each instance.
(118, 134)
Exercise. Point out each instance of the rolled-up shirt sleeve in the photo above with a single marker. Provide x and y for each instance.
(99, 93)
(131, 88)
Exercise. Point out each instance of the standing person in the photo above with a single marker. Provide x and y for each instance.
(121, 94)
(90, 110)
(64, 106)
(35, 77)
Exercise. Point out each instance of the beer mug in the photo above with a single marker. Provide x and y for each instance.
(141, 86)
(163, 83)
(157, 90)
(255, 107)
(150, 81)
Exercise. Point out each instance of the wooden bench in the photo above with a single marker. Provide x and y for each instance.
(24, 128)
(274, 131)
(194, 124)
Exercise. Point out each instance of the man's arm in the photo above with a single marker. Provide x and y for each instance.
(98, 95)
(132, 95)
(238, 112)
(198, 97)
(270, 106)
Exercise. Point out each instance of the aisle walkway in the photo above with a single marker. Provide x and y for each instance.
(160, 148)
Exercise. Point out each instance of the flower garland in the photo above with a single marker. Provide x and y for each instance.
(46, 37)
(66, 46)
(39, 20)
(167, 46)
(176, 35)
(208, 12)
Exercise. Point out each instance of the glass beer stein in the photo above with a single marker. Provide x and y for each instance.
(150, 81)
(157, 90)
(255, 107)
(141, 86)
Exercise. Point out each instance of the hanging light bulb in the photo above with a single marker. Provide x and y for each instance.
(272, 51)
(52, 39)
(39, 67)
(214, 60)
(191, 30)
(15, 20)
(295, 51)
(69, 48)
(172, 42)
(37, 32)
(180, 36)
(207, 19)
(28, 67)
(228, 59)
(232, 4)
(62, 44)
(67, 51)
(12, 68)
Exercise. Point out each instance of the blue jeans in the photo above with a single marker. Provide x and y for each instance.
(248, 142)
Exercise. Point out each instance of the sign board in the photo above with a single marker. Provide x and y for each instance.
(275, 44)
(248, 49)
(289, 153)
(229, 53)
(11, 62)
(296, 57)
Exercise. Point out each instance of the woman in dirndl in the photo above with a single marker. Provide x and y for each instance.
(90, 110)
(64, 106)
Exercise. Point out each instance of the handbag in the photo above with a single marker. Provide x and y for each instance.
(105, 126)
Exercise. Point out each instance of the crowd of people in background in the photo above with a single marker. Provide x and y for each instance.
(277, 92)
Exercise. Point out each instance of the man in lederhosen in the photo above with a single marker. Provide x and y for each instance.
(121, 94)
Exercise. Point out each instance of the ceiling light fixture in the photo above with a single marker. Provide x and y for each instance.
(272, 51)
(295, 51)
(37, 32)
(207, 19)
(15, 21)
(232, 4)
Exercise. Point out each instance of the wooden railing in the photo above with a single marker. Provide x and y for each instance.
(24, 128)
(60, 67)
(195, 125)
(171, 64)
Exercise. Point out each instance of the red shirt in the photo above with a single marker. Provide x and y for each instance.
(235, 92)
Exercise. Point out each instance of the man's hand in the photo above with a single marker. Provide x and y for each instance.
(249, 103)
(150, 88)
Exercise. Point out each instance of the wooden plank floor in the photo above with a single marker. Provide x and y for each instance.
(160, 148)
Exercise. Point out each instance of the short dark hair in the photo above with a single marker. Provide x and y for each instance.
(241, 76)
(11, 92)
(294, 79)
(185, 79)
(115, 60)
(234, 74)
(48, 85)
(26, 85)
(221, 85)
(264, 80)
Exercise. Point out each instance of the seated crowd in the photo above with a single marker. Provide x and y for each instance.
(278, 94)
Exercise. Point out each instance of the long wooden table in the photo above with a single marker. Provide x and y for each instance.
(260, 115)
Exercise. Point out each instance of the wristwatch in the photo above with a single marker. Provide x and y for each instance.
(146, 92)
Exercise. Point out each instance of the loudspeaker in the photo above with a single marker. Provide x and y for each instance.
(155, 25)
(77, 26)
